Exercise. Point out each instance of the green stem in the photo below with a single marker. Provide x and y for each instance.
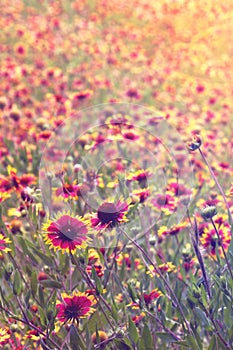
(215, 326)
(164, 327)
(162, 277)
(31, 325)
(224, 252)
(217, 184)
(91, 285)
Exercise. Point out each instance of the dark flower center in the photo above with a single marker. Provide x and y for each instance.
(162, 200)
(108, 213)
(71, 313)
(68, 232)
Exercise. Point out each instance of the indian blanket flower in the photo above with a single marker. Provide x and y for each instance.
(209, 238)
(67, 191)
(230, 192)
(177, 189)
(4, 196)
(137, 318)
(4, 241)
(165, 203)
(110, 215)
(67, 233)
(172, 231)
(4, 335)
(146, 298)
(130, 263)
(15, 182)
(141, 195)
(94, 261)
(163, 268)
(140, 176)
(75, 306)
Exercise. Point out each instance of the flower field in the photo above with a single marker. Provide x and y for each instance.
(116, 175)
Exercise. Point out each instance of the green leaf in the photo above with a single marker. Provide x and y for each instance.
(42, 316)
(201, 316)
(197, 337)
(228, 316)
(114, 313)
(46, 259)
(4, 299)
(133, 333)
(182, 344)
(51, 284)
(166, 337)
(192, 342)
(76, 342)
(12, 244)
(146, 341)
(22, 244)
(98, 284)
(121, 345)
(41, 296)
(27, 298)
(17, 283)
(34, 283)
(97, 319)
(212, 344)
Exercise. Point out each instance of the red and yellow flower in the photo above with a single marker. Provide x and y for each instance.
(209, 238)
(4, 335)
(4, 241)
(75, 306)
(163, 268)
(141, 176)
(67, 233)
(110, 215)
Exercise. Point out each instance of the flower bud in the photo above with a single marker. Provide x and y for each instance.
(14, 328)
(120, 333)
(102, 336)
(8, 271)
(42, 276)
(194, 143)
(208, 212)
(196, 293)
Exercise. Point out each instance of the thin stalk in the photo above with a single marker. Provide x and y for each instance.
(195, 243)
(162, 277)
(215, 327)
(217, 184)
(16, 265)
(31, 325)
(91, 285)
(164, 327)
(224, 252)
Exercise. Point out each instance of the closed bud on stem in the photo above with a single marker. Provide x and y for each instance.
(152, 241)
(194, 143)
(196, 293)
(101, 335)
(8, 271)
(208, 212)
(120, 333)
